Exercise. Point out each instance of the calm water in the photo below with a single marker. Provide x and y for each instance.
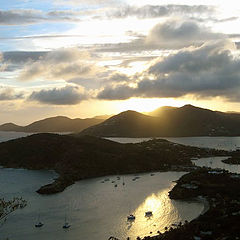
(98, 210)
(225, 143)
(5, 136)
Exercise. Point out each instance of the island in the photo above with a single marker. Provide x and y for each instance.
(234, 159)
(76, 157)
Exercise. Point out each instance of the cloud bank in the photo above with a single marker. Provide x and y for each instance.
(68, 95)
(207, 71)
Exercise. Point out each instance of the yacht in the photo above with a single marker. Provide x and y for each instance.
(39, 224)
(131, 217)
(148, 214)
(66, 224)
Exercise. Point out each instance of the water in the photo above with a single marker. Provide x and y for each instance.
(216, 162)
(96, 210)
(223, 143)
(5, 136)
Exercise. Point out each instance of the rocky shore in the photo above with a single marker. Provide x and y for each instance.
(234, 158)
(9, 206)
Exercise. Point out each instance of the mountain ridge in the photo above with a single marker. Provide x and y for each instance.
(186, 121)
(53, 124)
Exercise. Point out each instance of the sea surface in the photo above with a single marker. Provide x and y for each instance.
(223, 143)
(97, 209)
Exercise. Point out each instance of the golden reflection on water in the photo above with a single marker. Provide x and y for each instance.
(164, 214)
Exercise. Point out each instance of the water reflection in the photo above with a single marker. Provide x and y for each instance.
(95, 210)
(165, 213)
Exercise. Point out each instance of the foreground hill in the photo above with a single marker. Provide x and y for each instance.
(76, 158)
(169, 122)
(53, 124)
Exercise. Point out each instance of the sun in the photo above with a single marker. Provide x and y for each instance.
(146, 104)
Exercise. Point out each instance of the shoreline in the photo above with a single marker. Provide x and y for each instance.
(206, 204)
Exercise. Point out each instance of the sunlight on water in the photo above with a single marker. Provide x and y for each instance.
(163, 215)
(95, 210)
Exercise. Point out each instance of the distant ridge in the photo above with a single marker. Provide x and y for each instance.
(125, 124)
(53, 124)
(169, 122)
(184, 121)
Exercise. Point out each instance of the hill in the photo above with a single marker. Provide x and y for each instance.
(53, 124)
(125, 124)
(76, 158)
(169, 122)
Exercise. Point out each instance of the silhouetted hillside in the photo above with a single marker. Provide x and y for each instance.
(129, 123)
(184, 121)
(11, 127)
(76, 158)
(53, 124)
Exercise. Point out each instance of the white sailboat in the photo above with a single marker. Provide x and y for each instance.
(66, 224)
(39, 223)
(130, 217)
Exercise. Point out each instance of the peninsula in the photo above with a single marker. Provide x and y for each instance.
(221, 189)
(78, 157)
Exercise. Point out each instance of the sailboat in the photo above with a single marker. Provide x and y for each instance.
(123, 183)
(130, 217)
(39, 223)
(66, 224)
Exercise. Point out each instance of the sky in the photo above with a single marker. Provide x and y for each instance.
(82, 58)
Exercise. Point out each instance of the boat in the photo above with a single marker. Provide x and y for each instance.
(123, 183)
(39, 223)
(66, 224)
(115, 185)
(148, 214)
(131, 217)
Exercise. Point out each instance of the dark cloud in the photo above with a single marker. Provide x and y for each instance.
(21, 57)
(168, 35)
(68, 95)
(156, 11)
(32, 16)
(120, 92)
(209, 71)
(59, 64)
(118, 77)
(18, 17)
(9, 93)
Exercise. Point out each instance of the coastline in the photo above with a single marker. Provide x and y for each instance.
(206, 204)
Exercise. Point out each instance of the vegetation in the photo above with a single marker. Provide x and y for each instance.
(172, 122)
(7, 207)
(221, 189)
(54, 124)
(234, 159)
(76, 158)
